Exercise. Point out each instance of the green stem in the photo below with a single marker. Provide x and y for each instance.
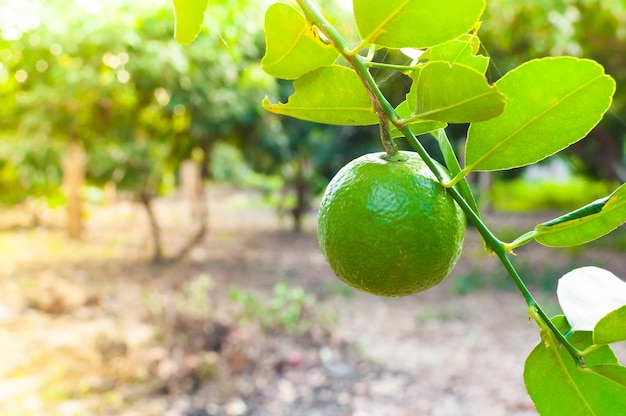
(359, 64)
(385, 111)
(520, 241)
(500, 249)
(458, 177)
(545, 324)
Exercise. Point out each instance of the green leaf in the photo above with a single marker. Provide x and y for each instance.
(557, 385)
(613, 372)
(188, 17)
(418, 127)
(585, 224)
(587, 294)
(551, 104)
(415, 23)
(332, 94)
(611, 328)
(455, 93)
(460, 51)
(294, 47)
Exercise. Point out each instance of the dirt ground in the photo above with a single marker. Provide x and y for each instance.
(253, 322)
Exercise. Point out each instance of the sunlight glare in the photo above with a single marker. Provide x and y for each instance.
(345, 5)
(90, 6)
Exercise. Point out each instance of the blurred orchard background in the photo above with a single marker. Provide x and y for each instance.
(157, 226)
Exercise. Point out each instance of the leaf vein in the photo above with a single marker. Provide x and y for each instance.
(567, 374)
(371, 37)
(455, 105)
(290, 50)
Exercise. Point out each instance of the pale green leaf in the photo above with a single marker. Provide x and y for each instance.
(585, 224)
(587, 294)
(293, 47)
(551, 104)
(558, 387)
(188, 17)
(455, 93)
(418, 127)
(460, 51)
(332, 95)
(611, 328)
(613, 372)
(415, 23)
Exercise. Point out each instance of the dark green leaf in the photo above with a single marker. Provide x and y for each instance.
(332, 95)
(558, 387)
(611, 328)
(455, 93)
(551, 104)
(188, 15)
(585, 224)
(415, 23)
(294, 47)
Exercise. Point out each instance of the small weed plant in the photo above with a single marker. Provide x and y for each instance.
(290, 310)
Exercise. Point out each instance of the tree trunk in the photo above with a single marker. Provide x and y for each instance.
(191, 186)
(159, 256)
(73, 180)
(195, 239)
(110, 193)
(302, 189)
(146, 200)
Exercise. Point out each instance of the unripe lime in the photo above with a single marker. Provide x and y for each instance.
(388, 227)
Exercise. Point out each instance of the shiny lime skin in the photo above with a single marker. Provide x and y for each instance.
(388, 227)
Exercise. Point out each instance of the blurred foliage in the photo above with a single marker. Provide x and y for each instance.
(30, 168)
(118, 82)
(524, 195)
(132, 165)
(229, 166)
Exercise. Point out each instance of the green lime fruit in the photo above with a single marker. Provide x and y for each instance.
(388, 227)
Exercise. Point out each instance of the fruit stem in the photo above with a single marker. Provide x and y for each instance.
(385, 134)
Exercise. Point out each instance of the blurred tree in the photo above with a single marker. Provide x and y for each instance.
(117, 82)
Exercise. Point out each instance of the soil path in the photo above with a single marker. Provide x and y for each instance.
(90, 328)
